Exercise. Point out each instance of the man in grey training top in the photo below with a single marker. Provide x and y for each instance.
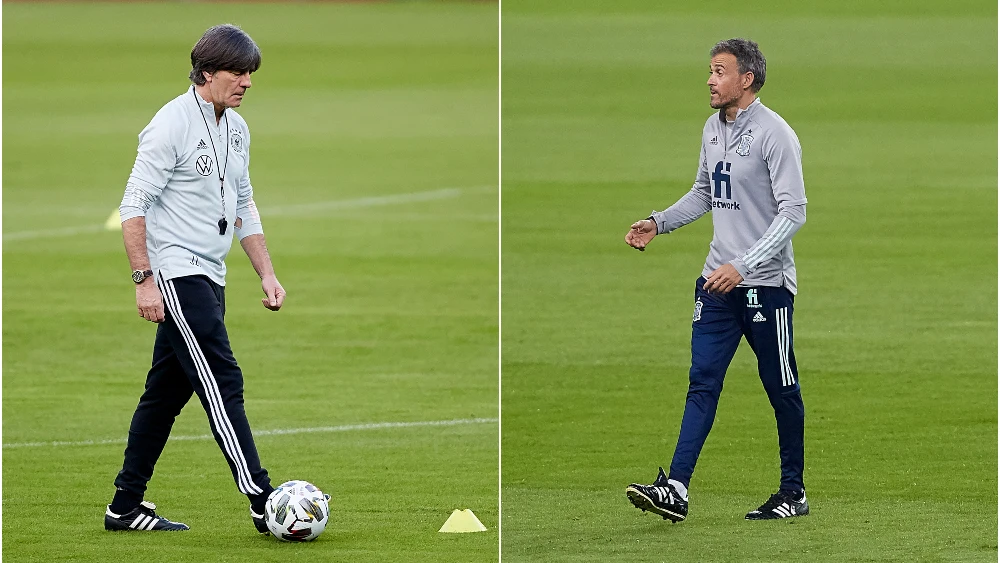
(750, 178)
(188, 193)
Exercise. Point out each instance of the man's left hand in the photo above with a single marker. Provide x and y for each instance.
(723, 279)
(274, 292)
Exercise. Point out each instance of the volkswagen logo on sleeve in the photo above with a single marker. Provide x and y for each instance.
(204, 165)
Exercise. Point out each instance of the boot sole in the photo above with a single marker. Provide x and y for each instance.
(644, 503)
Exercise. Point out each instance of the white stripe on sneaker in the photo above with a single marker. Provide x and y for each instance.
(138, 521)
(217, 412)
(152, 523)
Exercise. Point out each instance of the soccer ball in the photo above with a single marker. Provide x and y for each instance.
(297, 511)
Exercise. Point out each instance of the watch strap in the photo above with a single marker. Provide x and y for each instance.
(138, 276)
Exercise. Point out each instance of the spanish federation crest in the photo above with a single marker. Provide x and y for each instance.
(743, 149)
(697, 311)
(236, 140)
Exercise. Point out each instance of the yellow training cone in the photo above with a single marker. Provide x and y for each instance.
(114, 222)
(462, 521)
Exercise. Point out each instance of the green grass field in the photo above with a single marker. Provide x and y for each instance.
(896, 318)
(375, 166)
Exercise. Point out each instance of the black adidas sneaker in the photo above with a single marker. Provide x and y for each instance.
(141, 518)
(259, 523)
(782, 504)
(659, 498)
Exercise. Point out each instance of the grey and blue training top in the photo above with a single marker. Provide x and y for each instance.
(175, 185)
(750, 178)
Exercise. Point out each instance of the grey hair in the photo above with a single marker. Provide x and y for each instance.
(748, 57)
(223, 47)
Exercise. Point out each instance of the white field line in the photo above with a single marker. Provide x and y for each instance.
(301, 209)
(50, 233)
(276, 432)
(374, 201)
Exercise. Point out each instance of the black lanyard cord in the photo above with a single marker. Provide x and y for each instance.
(220, 170)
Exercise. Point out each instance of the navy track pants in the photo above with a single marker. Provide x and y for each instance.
(763, 315)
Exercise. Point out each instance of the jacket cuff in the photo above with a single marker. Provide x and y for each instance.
(247, 230)
(652, 217)
(126, 212)
(741, 267)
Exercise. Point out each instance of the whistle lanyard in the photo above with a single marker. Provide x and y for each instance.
(220, 171)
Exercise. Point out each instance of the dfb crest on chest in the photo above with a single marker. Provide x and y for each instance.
(236, 140)
(743, 149)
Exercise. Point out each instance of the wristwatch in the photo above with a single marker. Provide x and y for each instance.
(139, 275)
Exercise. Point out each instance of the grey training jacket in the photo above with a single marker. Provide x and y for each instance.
(750, 178)
(175, 185)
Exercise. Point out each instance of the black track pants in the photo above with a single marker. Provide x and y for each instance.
(192, 354)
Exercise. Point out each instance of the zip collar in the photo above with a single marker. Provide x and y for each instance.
(739, 112)
(207, 108)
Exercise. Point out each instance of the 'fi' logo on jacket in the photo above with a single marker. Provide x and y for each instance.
(743, 149)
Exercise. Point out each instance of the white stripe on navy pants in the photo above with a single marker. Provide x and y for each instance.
(192, 355)
(772, 343)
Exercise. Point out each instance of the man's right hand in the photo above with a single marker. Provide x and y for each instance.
(149, 301)
(640, 234)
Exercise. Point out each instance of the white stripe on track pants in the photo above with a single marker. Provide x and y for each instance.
(192, 355)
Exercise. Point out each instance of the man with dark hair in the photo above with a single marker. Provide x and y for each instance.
(750, 178)
(223, 47)
(188, 193)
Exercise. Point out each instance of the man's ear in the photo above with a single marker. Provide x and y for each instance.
(208, 76)
(748, 78)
